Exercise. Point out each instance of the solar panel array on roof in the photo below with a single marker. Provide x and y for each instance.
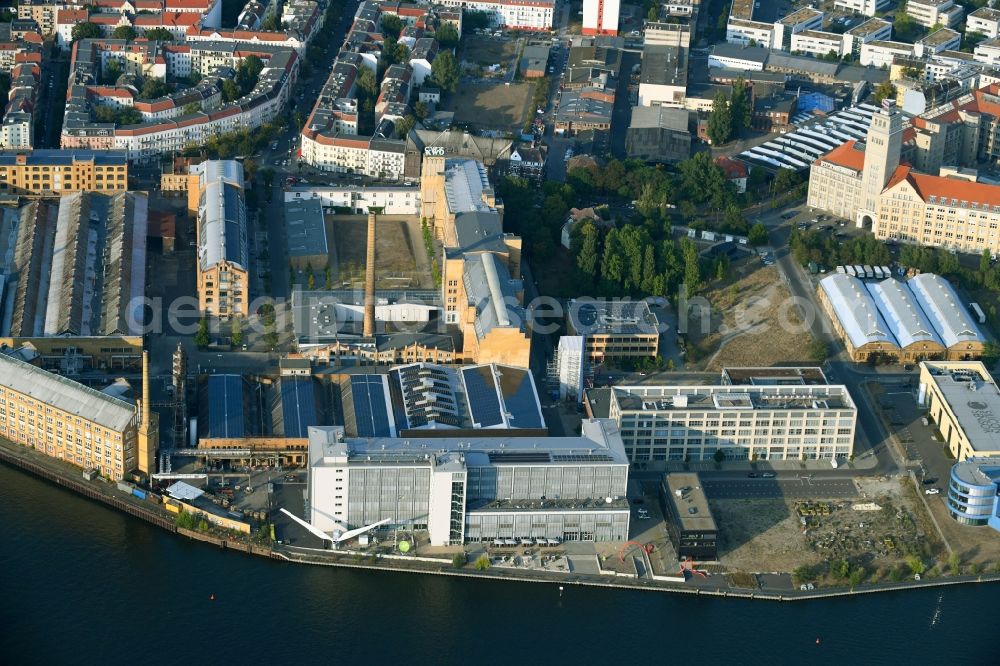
(371, 415)
(520, 457)
(582, 457)
(482, 395)
(298, 406)
(226, 417)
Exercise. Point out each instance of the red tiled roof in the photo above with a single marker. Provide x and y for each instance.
(731, 168)
(846, 156)
(953, 188)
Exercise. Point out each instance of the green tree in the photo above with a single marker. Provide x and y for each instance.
(905, 28)
(692, 267)
(719, 456)
(884, 90)
(840, 569)
(404, 125)
(230, 91)
(447, 35)
(991, 353)
(194, 78)
(653, 14)
(128, 116)
(818, 350)
(85, 30)
(420, 110)
(482, 563)
(366, 82)
(916, 564)
(720, 121)
(587, 257)
(159, 35)
(154, 88)
(391, 25)
(444, 71)
(741, 106)
(125, 32)
(785, 180)
(476, 20)
(191, 107)
(201, 337)
(757, 235)
(271, 23)
(236, 332)
(954, 562)
(984, 262)
(110, 72)
(459, 560)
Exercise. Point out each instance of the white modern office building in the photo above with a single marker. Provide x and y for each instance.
(758, 419)
(462, 489)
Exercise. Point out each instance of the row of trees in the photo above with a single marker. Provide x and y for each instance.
(629, 260)
(87, 30)
(823, 248)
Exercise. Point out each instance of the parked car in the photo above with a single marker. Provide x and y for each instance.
(752, 475)
(930, 482)
(767, 475)
(932, 491)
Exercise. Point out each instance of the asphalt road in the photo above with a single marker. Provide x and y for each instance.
(804, 488)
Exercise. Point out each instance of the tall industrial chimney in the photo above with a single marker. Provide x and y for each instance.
(369, 330)
(148, 432)
(145, 388)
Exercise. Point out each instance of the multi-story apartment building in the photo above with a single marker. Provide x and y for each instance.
(42, 12)
(513, 14)
(804, 18)
(600, 17)
(818, 43)
(930, 13)
(69, 421)
(358, 200)
(54, 172)
(880, 53)
(216, 190)
(985, 21)
(169, 123)
(806, 419)
(866, 7)
(944, 39)
(473, 489)
(874, 29)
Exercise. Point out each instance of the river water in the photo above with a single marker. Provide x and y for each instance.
(84, 584)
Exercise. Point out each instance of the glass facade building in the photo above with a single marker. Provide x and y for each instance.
(974, 492)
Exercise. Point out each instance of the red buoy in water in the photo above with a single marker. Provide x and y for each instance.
(212, 598)
(817, 641)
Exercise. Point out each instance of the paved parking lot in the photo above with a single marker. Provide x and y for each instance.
(804, 488)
